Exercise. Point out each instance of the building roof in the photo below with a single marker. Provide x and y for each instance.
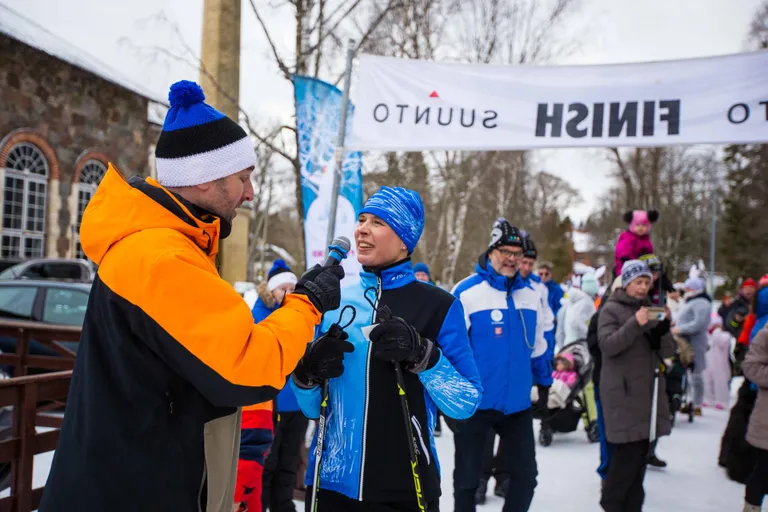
(17, 26)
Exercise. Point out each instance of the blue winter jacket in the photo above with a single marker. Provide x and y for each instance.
(502, 316)
(556, 294)
(365, 452)
(286, 400)
(551, 320)
(761, 312)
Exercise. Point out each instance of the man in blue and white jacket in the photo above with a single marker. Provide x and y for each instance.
(502, 312)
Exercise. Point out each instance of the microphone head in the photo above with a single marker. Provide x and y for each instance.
(339, 248)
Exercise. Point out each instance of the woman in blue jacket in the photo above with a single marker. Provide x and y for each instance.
(366, 464)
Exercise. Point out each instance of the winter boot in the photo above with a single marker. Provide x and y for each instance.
(501, 488)
(750, 508)
(653, 460)
(482, 488)
(697, 411)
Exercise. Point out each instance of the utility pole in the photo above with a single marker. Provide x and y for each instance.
(713, 240)
(220, 79)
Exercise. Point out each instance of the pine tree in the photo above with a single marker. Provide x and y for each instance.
(745, 211)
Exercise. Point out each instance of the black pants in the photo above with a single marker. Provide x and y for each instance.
(519, 452)
(623, 488)
(330, 501)
(757, 485)
(282, 462)
(493, 465)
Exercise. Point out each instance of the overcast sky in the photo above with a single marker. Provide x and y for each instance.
(618, 31)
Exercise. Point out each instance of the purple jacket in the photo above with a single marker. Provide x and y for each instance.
(631, 247)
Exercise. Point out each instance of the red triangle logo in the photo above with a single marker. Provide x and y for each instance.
(434, 95)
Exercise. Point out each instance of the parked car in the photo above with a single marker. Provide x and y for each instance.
(45, 302)
(51, 268)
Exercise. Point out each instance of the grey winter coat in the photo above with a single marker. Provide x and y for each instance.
(626, 378)
(755, 367)
(693, 322)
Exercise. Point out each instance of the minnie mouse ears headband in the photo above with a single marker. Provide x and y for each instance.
(641, 216)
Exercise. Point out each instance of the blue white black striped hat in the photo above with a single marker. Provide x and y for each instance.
(198, 143)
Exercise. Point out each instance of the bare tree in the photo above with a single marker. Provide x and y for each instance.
(678, 182)
(758, 29)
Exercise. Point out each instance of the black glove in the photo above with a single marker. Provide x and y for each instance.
(396, 340)
(323, 359)
(322, 285)
(656, 332)
(739, 352)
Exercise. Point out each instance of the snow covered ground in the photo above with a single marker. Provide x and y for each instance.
(567, 480)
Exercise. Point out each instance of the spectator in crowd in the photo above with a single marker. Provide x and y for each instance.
(503, 314)
(693, 325)
(556, 292)
(421, 271)
(631, 345)
(742, 302)
(290, 425)
(756, 371)
(717, 375)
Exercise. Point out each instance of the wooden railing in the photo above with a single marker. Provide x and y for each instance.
(24, 394)
(30, 398)
(47, 335)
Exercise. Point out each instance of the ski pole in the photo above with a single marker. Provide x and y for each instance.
(319, 445)
(409, 432)
(654, 402)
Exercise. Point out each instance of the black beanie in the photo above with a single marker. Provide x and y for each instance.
(504, 233)
(529, 248)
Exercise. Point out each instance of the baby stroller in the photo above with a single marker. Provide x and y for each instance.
(578, 403)
(678, 390)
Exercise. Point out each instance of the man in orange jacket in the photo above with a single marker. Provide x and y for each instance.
(169, 351)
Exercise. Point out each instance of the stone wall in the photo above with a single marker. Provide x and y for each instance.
(77, 115)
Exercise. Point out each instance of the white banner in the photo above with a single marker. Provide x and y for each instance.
(411, 105)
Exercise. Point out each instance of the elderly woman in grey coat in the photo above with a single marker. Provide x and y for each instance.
(632, 346)
(693, 325)
(756, 371)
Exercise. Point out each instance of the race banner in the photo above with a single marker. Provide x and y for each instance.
(412, 105)
(318, 114)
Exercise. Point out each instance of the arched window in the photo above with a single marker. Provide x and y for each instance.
(25, 190)
(90, 177)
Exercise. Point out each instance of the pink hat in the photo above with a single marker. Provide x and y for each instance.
(640, 217)
(637, 217)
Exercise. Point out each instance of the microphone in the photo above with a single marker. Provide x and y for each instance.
(337, 251)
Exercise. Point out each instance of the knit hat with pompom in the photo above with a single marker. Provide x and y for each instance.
(198, 143)
(279, 274)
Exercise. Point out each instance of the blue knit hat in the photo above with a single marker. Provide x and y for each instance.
(402, 210)
(422, 267)
(280, 273)
(198, 143)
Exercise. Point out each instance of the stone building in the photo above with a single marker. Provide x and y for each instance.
(63, 118)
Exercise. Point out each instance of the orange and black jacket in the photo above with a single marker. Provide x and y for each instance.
(167, 347)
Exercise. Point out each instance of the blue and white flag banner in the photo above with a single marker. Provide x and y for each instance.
(318, 114)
